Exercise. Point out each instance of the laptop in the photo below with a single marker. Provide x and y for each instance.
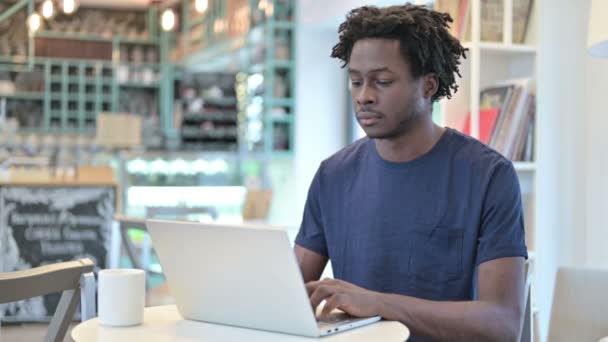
(240, 275)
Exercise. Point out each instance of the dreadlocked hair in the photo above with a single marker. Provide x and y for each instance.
(424, 37)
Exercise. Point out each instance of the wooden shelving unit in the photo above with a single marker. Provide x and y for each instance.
(107, 71)
(72, 95)
(490, 63)
(213, 41)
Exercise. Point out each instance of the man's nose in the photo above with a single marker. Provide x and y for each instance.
(366, 96)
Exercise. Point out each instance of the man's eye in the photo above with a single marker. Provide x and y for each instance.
(355, 83)
(384, 82)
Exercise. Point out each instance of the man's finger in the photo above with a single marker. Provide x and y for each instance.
(311, 286)
(331, 303)
(321, 293)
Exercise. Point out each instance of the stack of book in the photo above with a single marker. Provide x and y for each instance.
(506, 119)
(492, 12)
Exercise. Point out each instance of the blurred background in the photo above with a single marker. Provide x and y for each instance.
(221, 110)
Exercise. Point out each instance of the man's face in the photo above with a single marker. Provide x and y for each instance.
(386, 97)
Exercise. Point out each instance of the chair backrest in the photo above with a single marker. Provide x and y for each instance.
(72, 278)
(527, 324)
(580, 305)
(181, 212)
(257, 205)
(125, 223)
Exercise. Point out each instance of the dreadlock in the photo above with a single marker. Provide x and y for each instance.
(425, 40)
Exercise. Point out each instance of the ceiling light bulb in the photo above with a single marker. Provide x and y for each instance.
(269, 10)
(201, 5)
(48, 9)
(69, 6)
(34, 22)
(167, 20)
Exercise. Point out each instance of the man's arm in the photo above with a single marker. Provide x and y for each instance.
(496, 316)
(311, 263)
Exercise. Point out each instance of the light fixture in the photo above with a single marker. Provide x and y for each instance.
(201, 5)
(34, 22)
(48, 9)
(597, 36)
(262, 5)
(269, 9)
(69, 6)
(167, 20)
(219, 25)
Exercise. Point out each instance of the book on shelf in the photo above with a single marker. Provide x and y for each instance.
(487, 121)
(506, 119)
(492, 14)
(452, 7)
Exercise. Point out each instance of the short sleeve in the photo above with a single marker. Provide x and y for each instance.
(312, 233)
(502, 224)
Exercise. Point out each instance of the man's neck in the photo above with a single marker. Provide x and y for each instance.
(412, 144)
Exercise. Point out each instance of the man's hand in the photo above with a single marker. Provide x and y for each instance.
(347, 297)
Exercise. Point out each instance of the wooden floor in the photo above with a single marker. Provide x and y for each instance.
(36, 332)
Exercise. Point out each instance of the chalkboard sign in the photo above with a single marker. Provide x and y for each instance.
(49, 224)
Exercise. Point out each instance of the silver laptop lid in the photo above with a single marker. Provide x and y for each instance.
(241, 275)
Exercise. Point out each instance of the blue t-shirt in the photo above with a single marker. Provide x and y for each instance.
(417, 228)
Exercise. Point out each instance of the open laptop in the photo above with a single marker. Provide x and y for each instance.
(239, 275)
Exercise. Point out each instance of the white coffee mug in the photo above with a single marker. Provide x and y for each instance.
(122, 294)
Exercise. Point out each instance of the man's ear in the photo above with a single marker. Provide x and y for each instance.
(430, 84)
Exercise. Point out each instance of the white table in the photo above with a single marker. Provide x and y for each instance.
(163, 323)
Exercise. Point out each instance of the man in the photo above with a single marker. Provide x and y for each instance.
(422, 224)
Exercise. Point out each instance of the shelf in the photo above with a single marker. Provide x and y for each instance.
(37, 96)
(273, 64)
(282, 154)
(75, 97)
(287, 119)
(87, 80)
(121, 40)
(72, 36)
(71, 130)
(283, 25)
(210, 147)
(505, 49)
(92, 37)
(14, 59)
(222, 101)
(72, 113)
(286, 102)
(38, 60)
(212, 116)
(195, 21)
(68, 113)
(155, 66)
(139, 85)
(219, 55)
(524, 166)
(198, 133)
(30, 130)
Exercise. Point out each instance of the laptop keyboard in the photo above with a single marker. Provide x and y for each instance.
(333, 319)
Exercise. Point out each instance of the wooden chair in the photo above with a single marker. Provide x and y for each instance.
(527, 326)
(126, 223)
(73, 278)
(180, 213)
(580, 305)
